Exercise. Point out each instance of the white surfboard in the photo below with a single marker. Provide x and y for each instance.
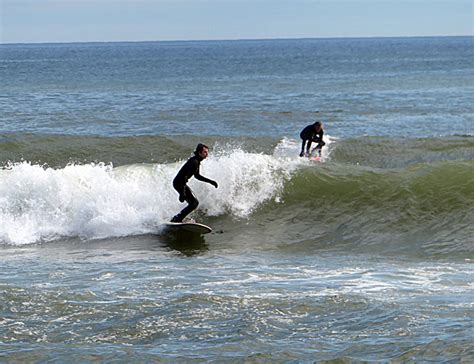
(193, 227)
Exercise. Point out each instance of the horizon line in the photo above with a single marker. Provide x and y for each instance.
(233, 39)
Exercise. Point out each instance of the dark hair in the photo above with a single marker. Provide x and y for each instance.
(200, 148)
(317, 123)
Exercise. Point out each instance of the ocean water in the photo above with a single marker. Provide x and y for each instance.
(366, 256)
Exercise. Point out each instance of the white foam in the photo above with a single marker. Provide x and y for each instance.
(289, 148)
(97, 201)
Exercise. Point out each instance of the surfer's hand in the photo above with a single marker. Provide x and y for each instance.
(181, 198)
(214, 183)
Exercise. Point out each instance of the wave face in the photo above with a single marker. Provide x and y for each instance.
(386, 195)
(422, 209)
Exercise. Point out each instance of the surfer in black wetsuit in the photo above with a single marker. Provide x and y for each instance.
(312, 133)
(190, 168)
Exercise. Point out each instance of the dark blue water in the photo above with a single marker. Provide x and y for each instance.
(382, 86)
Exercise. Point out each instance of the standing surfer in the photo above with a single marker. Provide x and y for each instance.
(189, 169)
(312, 133)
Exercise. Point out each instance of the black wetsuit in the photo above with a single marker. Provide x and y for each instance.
(310, 135)
(190, 168)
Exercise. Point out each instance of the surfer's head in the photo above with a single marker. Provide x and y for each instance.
(202, 151)
(318, 126)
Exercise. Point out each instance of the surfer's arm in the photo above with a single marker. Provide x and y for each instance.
(205, 179)
(317, 137)
(186, 171)
(180, 187)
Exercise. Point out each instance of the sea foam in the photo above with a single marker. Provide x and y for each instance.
(91, 201)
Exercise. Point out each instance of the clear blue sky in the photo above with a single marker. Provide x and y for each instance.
(32, 21)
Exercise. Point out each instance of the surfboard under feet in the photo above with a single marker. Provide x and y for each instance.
(193, 227)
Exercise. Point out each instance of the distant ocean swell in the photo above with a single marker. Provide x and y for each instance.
(60, 150)
(418, 205)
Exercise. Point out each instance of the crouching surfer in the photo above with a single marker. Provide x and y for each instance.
(312, 133)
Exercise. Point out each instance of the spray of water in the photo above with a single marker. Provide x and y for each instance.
(91, 201)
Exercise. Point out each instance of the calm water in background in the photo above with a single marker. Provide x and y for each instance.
(366, 256)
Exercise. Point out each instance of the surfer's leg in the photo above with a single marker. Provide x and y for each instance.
(308, 147)
(179, 188)
(192, 205)
(302, 147)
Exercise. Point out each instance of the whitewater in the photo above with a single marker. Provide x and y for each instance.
(95, 201)
(375, 208)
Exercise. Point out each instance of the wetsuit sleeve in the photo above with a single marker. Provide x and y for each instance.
(199, 177)
(318, 137)
(203, 179)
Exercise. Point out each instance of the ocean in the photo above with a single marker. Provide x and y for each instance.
(366, 256)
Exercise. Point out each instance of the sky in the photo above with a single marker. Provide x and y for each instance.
(45, 21)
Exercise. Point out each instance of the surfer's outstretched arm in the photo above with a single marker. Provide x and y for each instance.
(205, 179)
